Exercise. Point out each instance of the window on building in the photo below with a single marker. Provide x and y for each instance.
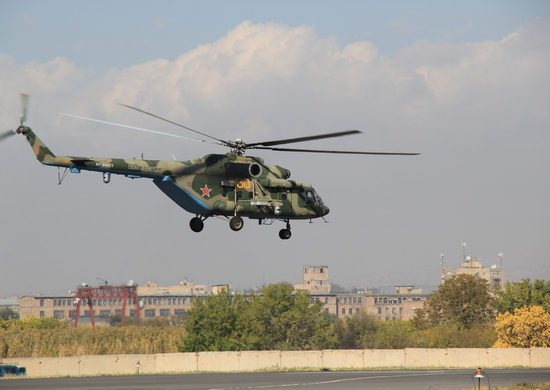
(379, 310)
(350, 311)
(118, 312)
(179, 312)
(165, 312)
(393, 310)
(41, 302)
(150, 312)
(105, 313)
(387, 310)
(357, 310)
(326, 300)
(312, 300)
(41, 314)
(343, 311)
(59, 314)
(359, 300)
(132, 312)
(72, 313)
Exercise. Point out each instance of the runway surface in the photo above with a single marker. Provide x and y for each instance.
(350, 380)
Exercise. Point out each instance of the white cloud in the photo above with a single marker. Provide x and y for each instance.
(478, 112)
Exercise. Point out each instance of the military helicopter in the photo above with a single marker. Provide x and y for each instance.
(229, 186)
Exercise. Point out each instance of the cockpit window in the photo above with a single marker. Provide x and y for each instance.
(318, 199)
(312, 198)
(309, 198)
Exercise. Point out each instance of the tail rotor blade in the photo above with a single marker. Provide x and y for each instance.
(24, 107)
(4, 136)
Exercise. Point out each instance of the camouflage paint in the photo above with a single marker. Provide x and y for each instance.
(217, 184)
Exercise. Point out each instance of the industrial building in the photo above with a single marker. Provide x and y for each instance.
(99, 304)
(493, 275)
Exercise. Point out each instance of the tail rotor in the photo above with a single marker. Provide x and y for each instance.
(24, 108)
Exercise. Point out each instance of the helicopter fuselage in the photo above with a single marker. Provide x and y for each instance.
(226, 185)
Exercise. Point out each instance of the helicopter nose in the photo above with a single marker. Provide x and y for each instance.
(327, 210)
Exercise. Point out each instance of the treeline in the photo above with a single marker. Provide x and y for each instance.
(462, 313)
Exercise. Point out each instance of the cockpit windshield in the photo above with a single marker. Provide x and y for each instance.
(313, 199)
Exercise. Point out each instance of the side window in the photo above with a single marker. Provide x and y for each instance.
(309, 198)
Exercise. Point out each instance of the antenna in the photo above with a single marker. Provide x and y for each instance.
(464, 250)
(442, 256)
(501, 255)
(102, 280)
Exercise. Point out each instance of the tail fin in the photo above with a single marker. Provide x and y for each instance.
(42, 152)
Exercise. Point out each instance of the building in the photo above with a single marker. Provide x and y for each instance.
(9, 304)
(493, 275)
(64, 306)
(185, 287)
(385, 307)
(315, 280)
(164, 301)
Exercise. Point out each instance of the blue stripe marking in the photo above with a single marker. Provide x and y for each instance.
(182, 197)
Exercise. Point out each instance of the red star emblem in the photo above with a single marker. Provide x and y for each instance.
(206, 191)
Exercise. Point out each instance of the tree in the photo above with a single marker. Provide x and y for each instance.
(464, 300)
(277, 319)
(527, 327)
(215, 323)
(283, 319)
(353, 331)
(8, 314)
(516, 295)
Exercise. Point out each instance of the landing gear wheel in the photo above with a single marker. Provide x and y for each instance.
(236, 223)
(285, 234)
(196, 224)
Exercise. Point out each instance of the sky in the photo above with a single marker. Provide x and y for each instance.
(466, 84)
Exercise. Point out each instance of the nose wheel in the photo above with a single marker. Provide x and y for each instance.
(285, 234)
(196, 224)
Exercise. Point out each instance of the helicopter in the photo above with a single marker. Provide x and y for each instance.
(229, 186)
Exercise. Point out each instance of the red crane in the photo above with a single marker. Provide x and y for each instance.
(88, 294)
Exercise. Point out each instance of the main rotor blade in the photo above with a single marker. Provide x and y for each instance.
(139, 128)
(335, 151)
(308, 138)
(177, 124)
(24, 107)
(4, 136)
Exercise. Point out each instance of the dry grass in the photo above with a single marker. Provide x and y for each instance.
(61, 342)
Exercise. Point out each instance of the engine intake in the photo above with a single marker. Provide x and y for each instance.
(240, 170)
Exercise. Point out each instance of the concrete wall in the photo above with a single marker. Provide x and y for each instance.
(273, 360)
